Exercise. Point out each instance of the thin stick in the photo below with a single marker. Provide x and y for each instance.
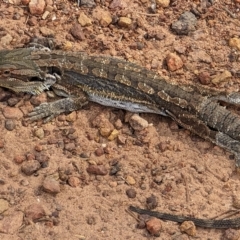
(132, 214)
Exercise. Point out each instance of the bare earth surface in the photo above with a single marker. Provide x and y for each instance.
(66, 179)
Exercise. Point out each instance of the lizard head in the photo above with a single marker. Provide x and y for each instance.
(19, 64)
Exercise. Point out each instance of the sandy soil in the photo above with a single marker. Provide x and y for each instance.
(188, 175)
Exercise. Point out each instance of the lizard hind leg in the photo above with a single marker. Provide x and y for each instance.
(223, 140)
(201, 129)
(194, 125)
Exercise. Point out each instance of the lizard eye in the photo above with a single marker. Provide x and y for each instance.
(6, 73)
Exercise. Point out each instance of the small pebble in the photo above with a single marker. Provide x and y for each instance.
(130, 180)
(204, 78)
(200, 168)
(174, 62)
(152, 202)
(71, 117)
(163, 146)
(12, 113)
(6, 40)
(32, 21)
(107, 149)
(154, 226)
(73, 136)
(186, 23)
(50, 185)
(113, 135)
(137, 123)
(39, 133)
(121, 140)
(105, 132)
(24, 182)
(73, 181)
(85, 155)
(118, 4)
(45, 15)
(19, 159)
(114, 169)
(55, 214)
(113, 184)
(36, 7)
(124, 22)
(38, 148)
(99, 152)
(76, 32)
(141, 224)
(12, 101)
(69, 146)
(118, 124)
(105, 18)
(30, 156)
(158, 180)
(163, 3)
(97, 170)
(84, 20)
(234, 42)
(87, 3)
(47, 32)
(131, 193)
(34, 211)
(231, 234)
(143, 186)
(30, 167)
(61, 118)
(91, 220)
(189, 228)
(222, 77)
(42, 158)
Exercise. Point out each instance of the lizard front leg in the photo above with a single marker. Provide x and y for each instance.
(48, 111)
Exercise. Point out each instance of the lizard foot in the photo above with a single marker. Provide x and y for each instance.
(48, 111)
(43, 111)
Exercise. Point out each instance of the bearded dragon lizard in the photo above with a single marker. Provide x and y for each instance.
(79, 78)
